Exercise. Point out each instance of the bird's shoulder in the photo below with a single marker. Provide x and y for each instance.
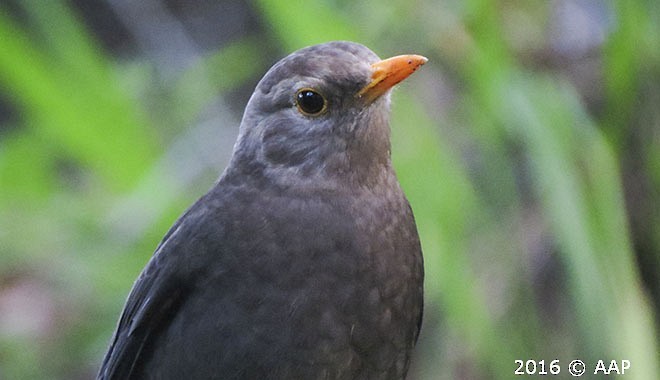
(179, 260)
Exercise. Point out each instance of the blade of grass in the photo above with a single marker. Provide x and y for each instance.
(71, 99)
(301, 23)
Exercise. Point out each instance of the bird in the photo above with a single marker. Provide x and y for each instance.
(303, 260)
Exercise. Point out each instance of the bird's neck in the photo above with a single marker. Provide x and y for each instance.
(346, 171)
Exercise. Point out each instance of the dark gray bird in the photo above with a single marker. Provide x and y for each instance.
(303, 260)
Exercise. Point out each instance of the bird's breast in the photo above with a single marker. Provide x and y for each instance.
(305, 284)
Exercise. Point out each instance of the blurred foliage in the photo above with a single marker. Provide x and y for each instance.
(530, 152)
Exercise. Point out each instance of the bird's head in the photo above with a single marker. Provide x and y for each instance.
(322, 113)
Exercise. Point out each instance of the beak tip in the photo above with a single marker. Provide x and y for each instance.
(417, 60)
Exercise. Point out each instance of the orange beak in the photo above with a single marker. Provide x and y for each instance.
(388, 73)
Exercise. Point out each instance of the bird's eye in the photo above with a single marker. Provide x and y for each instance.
(310, 102)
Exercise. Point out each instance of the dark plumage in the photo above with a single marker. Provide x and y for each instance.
(303, 260)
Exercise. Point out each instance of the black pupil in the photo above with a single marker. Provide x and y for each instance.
(310, 101)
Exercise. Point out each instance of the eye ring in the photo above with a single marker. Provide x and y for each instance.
(310, 102)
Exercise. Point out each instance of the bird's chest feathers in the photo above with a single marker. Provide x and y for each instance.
(316, 242)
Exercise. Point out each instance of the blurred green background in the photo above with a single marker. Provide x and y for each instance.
(529, 147)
